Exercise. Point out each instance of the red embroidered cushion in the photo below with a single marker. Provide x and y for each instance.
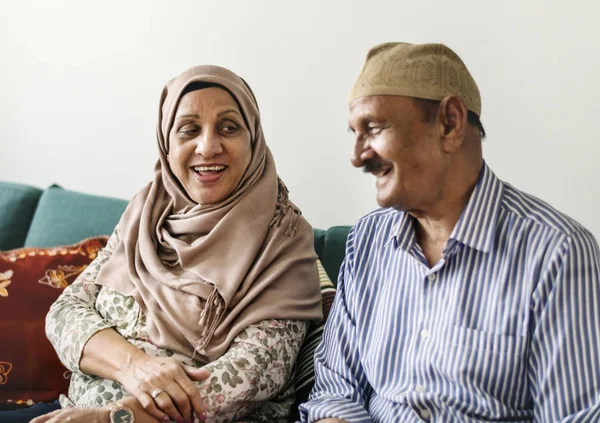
(30, 281)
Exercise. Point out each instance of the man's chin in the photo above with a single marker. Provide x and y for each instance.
(384, 201)
(389, 202)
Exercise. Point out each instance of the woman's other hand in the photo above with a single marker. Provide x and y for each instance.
(95, 415)
(75, 415)
(165, 387)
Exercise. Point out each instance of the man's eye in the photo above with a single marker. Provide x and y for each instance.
(374, 130)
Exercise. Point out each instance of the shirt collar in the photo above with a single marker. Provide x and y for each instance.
(404, 237)
(476, 226)
(403, 232)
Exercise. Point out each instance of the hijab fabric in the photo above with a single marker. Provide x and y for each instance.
(203, 273)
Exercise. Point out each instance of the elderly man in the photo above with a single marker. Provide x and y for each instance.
(462, 299)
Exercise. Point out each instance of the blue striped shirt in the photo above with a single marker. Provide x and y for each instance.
(505, 327)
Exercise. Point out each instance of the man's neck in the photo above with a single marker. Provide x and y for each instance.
(435, 225)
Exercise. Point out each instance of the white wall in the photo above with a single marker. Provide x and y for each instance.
(80, 82)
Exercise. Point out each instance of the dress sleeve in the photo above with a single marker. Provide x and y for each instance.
(73, 318)
(257, 366)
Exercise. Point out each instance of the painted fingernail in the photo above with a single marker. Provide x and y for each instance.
(166, 419)
(202, 416)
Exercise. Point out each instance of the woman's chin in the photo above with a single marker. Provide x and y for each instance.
(209, 196)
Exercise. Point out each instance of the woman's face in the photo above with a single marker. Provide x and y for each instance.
(210, 146)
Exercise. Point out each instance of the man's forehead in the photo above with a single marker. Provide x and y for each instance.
(377, 105)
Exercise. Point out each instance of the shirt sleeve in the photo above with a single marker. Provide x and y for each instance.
(256, 367)
(564, 368)
(341, 388)
(73, 318)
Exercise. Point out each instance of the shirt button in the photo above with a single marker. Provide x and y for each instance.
(420, 388)
(431, 277)
(425, 413)
(424, 334)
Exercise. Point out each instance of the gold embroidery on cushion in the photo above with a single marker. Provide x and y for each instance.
(80, 248)
(4, 282)
(92, 251)
(57, 278)
(5, 369)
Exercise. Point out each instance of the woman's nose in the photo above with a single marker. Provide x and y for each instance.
(208, 144)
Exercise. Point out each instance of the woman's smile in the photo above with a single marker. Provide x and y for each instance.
(209, 173)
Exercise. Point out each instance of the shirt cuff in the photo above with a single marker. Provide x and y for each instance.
(331, 407)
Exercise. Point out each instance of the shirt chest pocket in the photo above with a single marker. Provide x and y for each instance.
(487, 361)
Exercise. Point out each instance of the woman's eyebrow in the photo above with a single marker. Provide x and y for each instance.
(197, 116)
(224, 112)
(189, 115)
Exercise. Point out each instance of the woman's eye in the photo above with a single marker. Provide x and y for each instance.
(188, 128)
(229, 128)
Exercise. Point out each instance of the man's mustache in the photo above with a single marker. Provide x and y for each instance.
(374, 165)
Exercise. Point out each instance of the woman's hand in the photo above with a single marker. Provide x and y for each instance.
(75, 415)
(164, 387)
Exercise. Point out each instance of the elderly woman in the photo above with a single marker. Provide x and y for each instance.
(198, 305)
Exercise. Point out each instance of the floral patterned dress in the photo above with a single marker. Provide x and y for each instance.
(252, 380)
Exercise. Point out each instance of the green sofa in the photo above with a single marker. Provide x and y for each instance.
(33, 217)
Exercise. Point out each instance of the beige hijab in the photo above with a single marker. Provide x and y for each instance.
(203, 273)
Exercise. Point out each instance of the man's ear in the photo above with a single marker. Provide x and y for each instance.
(453, 123)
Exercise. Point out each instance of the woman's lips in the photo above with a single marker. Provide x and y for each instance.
(208, 174)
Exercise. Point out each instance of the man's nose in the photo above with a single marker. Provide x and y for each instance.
(361, 152)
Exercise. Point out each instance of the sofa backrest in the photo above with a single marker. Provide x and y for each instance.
(17, 205)
(64, 217)
(330, 245)
(31, 217)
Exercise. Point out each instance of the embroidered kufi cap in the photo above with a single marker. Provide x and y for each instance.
(429, 71)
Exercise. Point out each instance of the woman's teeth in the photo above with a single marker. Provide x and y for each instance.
(201, 169)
